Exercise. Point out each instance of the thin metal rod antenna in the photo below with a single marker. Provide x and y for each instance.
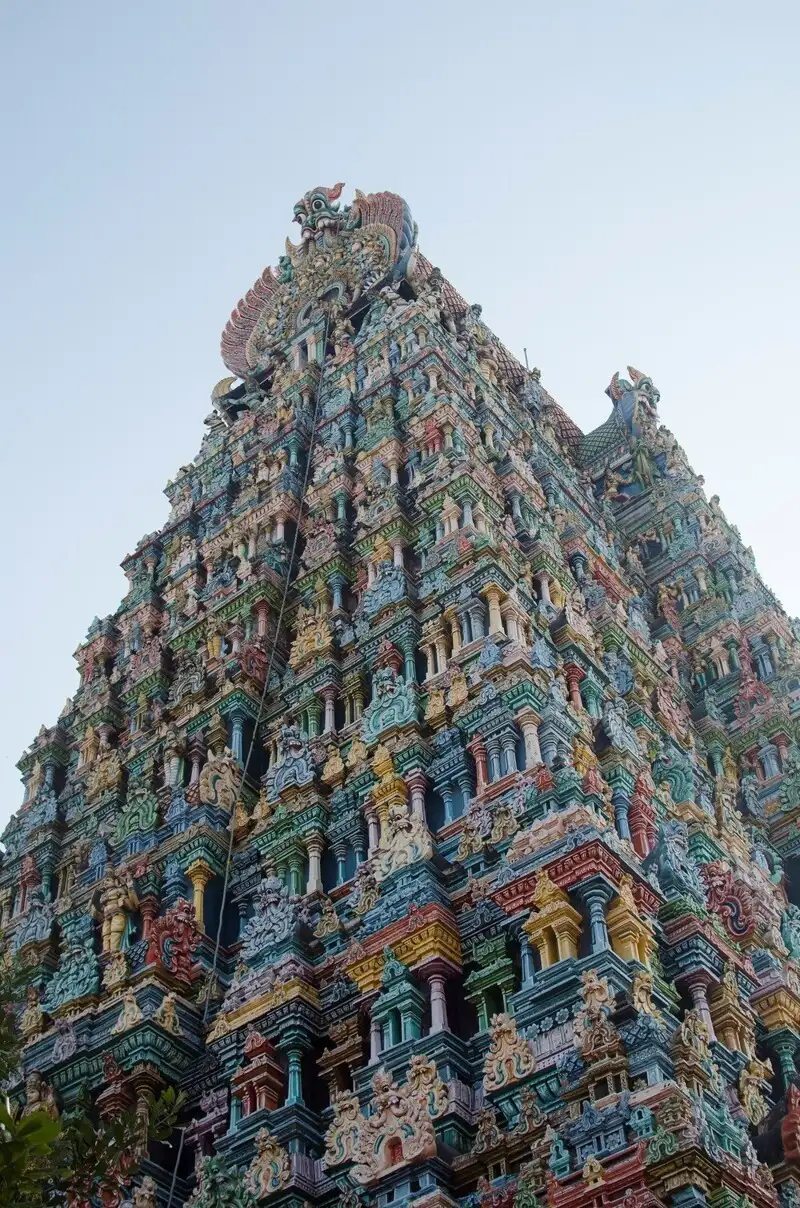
(251, 747)
(175, 1170)
(527, 366)
(286, 585)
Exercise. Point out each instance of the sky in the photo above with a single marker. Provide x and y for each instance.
(616, 183)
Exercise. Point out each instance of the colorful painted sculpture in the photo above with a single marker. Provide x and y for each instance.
(428, 810)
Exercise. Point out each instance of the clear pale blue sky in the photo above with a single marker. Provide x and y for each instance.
(616, 183)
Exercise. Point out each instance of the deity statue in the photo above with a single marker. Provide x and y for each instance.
(105, 773)
(167, 1015)
(39, 1095)
(642, 994)
(117, 898)
(31, 1021)
(694, 1034)
(594, 992)
(219, 780)
(131, 1013)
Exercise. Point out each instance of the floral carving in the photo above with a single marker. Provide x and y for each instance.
(730, 898)
(294, 769)
(510, 1057)
(174, 939)
(271, 1168)
(398, 1129)
(275, 919)
(392, 704)
(219, 780)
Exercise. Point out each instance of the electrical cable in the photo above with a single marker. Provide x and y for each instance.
(251, 748)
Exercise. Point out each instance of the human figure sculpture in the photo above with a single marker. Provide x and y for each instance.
(117, 898)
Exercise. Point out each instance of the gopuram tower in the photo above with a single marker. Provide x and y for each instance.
(427, 811)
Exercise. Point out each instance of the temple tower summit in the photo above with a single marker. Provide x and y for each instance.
(428, 809)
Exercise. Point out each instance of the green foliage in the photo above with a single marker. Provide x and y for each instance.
(29, 1161)
(74, 1158)
(13, 980)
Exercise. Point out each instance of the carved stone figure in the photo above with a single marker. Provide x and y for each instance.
(271, 1168)
(392, 704)
(131, 1012)
(37, 920)
(39, 1095)
(167, 1015)
(174, 939)
(294, 769)
(117, 898)
(219, 780)
(275, 920)
(406, 840)
(509, 1058)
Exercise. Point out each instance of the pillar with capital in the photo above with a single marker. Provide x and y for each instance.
(574, 675)
(374, 1041)
(374, 830)
(417, 782)
(492, 595)
(314, 847)
(478, 749)
(697, 983)
(199, 873)
(597, 893)
(329, 725)
(528, 722)
(509, 745)
(438, 1003)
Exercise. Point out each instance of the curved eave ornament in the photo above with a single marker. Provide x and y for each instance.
(343, 252)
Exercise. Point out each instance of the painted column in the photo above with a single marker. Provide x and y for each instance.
(528, 723)
(417, 781)
(438, 1004)
(478, 626)
(374, 1042)
(337, 584)
(430, 669)
(621, 807)
(294, 1092)
(697, 984)
(478, 748)
(330, 711)
(313, 712)
(374, 830)
(510, 753)
(495, 617)
(493, 749)
(455, 634)
(262, 615)
(526, 954)
(237, 738)
(199, 873)
(314, 848)
(596, 896)
(784, 1049)
(574, 676)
